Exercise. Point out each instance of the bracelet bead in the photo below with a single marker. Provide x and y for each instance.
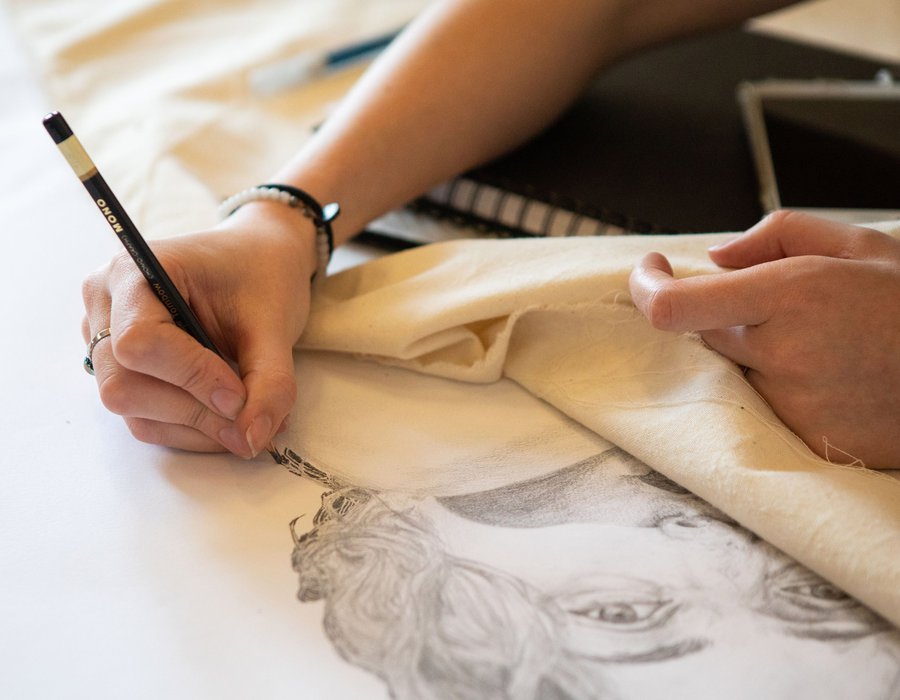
(321, 216)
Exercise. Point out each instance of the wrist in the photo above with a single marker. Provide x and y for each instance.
(293, 197)
(274, 224)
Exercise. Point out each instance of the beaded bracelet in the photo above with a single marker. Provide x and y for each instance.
(298, 199)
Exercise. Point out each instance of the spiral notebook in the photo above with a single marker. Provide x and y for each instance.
(655, 145)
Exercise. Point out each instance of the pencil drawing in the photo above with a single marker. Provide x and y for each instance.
(601, 580)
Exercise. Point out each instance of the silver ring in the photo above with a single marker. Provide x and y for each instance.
(89, 353)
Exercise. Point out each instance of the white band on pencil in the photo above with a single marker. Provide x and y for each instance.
(321, 216)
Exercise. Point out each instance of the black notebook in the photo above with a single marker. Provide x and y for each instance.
(656, 144)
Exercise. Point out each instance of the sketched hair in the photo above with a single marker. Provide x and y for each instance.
(430, 625)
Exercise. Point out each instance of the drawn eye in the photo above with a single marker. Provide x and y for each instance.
(621, 612)
(820, 591)
(815, 608)
(814, 594)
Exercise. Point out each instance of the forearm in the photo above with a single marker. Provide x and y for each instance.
(471, 79)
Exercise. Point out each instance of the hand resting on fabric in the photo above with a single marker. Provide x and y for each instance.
(812, 310)
(248, 282)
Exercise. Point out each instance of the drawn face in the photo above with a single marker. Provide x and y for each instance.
(611, 487)
(711, 608)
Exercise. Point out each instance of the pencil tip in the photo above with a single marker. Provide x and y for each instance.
(276, 455)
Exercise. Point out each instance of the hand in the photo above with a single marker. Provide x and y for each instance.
(248, 282)
(813, 312)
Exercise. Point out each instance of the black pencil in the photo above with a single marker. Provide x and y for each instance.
(122, 225)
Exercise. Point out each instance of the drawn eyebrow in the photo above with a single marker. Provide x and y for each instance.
(831, 635)
(660, 481)
(662, 653)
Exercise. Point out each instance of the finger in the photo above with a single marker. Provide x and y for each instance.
(153, 410)
(736, 298)
(95, 295)
(734, 343)
(146, 341)
(159, 413)
(784, 234)
(178, 436)
(134, 396)
(266, 363)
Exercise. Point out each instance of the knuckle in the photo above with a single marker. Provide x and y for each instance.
(132, 343)
(145, 430)
(781, 218)
(121, 262)
(196, 373)
(277, 387)
(195, 416)
(784, 224)
(864, 242)
(116, 395)
(662, 308)
(283, 390)
(92, 287)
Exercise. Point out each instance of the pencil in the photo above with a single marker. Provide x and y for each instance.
(124, 228)
(302, 68)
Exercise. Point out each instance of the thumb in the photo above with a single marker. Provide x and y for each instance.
(266, 365)
(785, 234)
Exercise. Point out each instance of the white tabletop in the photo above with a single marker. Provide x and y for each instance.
(128, 570)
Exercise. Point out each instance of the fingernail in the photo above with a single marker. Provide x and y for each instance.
(227, 402)
(723, 244)
(258, 433)
(234, 442)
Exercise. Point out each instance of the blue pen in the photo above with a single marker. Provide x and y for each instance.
(301, 69)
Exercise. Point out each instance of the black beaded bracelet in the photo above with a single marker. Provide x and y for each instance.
(321, 216)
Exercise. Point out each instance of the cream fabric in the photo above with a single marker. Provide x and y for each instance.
(555, 316)
(157, 92)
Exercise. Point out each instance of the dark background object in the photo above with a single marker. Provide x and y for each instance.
(657, 143)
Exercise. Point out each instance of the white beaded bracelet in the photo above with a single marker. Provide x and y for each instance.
(297, 198)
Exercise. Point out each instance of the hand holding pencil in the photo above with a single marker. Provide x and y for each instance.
(162, 371)
(242, 282)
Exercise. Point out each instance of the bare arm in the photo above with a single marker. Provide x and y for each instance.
(471, 79)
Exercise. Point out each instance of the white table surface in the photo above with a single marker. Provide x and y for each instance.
(127, 570)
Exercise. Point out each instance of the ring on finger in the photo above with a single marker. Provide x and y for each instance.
(88, 362)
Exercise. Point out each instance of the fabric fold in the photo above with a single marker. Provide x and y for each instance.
(555, 316)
